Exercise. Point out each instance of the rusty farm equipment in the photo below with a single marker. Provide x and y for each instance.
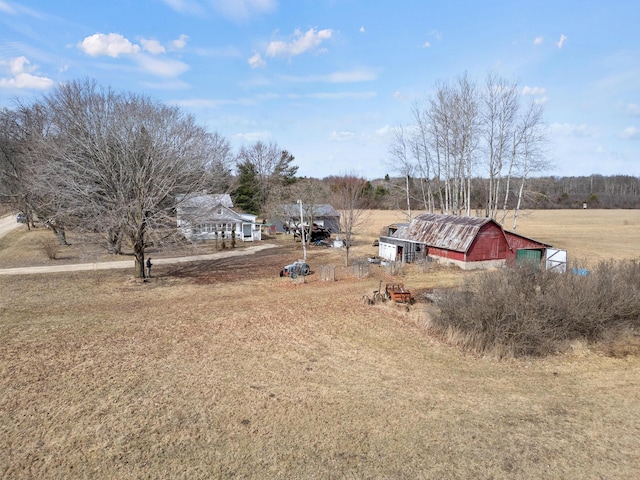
(397, 292)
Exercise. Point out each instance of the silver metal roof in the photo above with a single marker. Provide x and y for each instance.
(443, 231)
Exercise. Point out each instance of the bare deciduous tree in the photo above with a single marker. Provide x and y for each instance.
(311, 192)
(347, 193)
(401, 163)
(114, 163)
(461, 132)
(272, 168)
(499, 113)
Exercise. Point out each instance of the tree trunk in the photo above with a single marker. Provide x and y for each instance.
(516, 211)
(115, 242)
(139, 264)
(408, 191)
(138, 250)
(59, 233)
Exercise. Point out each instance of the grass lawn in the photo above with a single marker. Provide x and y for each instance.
(221, 369)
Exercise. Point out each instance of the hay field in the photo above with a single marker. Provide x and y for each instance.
(224, 370)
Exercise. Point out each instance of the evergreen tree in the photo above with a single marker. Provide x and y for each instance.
(247, 195)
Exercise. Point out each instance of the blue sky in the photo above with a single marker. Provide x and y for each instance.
(329, 79)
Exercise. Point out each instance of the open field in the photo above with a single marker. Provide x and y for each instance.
(221, 369)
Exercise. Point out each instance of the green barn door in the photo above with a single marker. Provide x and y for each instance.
(528, 256)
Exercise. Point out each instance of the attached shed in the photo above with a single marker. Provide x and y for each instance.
(467, 242)
(323, 214)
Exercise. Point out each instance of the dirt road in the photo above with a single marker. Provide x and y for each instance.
(7, 224)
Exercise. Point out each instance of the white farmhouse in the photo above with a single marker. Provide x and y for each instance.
(210, 217)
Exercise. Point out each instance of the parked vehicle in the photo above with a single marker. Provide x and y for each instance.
(21, 218)
(295, 269)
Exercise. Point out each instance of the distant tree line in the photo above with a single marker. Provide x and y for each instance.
(544, 192)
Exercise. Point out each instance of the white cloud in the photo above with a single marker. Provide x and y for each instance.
(361, 29)
(253, 136)
(152, 46)
(400, 96)
(112, 45)
(436, 34)
(257, 61)
(538, 41)
(5, 7)
(384, 132)
(342, 136)
(184, 6)
(563, 38)
(630, 133)
(163, 67)
(302, 42)
(633, 109)
(115, 45)
(22, 76)
(353, 76)
(336, 95)
(533, 91)
(180, 42)
(240, 10)
(360, 75)
(201, 103)
(17, 65)
(573, 130)
(426, 45)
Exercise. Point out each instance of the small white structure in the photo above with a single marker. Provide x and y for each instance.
(556, 260)
(211, 217)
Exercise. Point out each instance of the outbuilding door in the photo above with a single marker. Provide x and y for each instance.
(528, 257)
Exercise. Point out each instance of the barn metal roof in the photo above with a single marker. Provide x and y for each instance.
(443, 231)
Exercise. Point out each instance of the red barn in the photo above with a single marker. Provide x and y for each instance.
(464, 241)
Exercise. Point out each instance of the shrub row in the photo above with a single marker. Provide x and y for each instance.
(529, 312)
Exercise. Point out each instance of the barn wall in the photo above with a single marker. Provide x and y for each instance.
(447, 257)
(517, 243)
(489, 244)
(442, 254)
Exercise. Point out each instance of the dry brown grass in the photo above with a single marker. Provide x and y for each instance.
(223, 369)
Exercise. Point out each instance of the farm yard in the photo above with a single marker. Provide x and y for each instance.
(222, 369)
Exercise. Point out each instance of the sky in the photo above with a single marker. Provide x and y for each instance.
(328, 80)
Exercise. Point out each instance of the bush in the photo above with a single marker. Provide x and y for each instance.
(51, 247)
(527, 312)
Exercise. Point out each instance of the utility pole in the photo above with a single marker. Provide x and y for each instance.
(304, 241)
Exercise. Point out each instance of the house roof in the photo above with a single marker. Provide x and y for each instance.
(443, 231)
(206, 201)
(215, 208)
(319, 210)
